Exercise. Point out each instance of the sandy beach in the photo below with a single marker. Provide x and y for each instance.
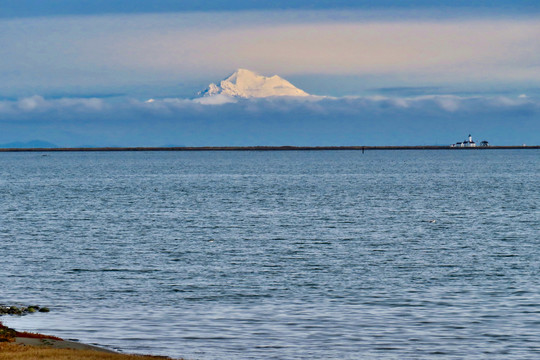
(48, 349)
(30, 349)
(16, 345)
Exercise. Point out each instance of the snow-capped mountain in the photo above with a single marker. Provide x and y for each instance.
(247, 84)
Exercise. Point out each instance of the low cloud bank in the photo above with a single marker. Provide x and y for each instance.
(38, 104)
(12, 109)
(379, 120)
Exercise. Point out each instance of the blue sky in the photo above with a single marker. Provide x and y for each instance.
(23, 8)
(65, 61)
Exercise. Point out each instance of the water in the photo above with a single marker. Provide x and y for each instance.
(277, 255)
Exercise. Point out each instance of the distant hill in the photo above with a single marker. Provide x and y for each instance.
(33, 144)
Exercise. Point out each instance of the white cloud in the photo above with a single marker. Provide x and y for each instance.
(318, 104)
(32, 103)
(38, 104)
(219, 99)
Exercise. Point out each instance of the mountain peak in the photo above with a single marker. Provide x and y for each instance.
(243, 73)
(248, 84)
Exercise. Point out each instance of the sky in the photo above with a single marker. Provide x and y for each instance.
(389, 72)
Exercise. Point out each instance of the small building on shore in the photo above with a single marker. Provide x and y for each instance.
(468, 143)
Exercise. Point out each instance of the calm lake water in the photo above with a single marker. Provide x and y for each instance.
(277, 255)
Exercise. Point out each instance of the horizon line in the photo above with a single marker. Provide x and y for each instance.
(266, 148)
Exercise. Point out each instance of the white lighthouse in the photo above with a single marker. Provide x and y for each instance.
(470, 142)
(467, 143)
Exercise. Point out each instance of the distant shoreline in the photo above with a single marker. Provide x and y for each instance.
(270, 148)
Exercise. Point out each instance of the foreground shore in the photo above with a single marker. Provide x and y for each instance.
(62, 350)
(51, 349)
(16, 345)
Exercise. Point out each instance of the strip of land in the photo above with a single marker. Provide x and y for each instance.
(272, 148)
(47, 342)
(15, 345)
(62, 350)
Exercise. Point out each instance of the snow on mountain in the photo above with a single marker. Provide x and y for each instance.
(247, 84)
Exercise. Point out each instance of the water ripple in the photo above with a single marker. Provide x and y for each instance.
(249, 255)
